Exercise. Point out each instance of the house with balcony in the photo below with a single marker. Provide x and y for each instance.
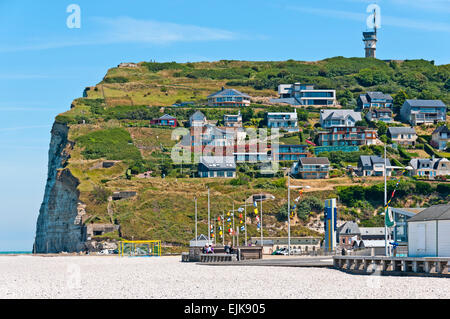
(217, 166)
(339, 118)
(229, 97)
(312, 167)
(381, 114)
(290, 152)
(430, 168)
(305, 94)
(370, 165)
(165, 120)
(371, 100)
(231, 120)
(282, 120)
(402, 135)
(418, 112)
(347, 136)
(440, 137)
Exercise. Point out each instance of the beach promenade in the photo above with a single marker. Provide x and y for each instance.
(168, 277)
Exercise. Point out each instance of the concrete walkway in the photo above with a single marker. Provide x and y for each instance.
(281, 261)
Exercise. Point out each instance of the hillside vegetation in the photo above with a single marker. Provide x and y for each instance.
(112, 123)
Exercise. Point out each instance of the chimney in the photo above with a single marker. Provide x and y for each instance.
(223, 88)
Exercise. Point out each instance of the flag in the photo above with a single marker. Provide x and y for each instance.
(254, 204)
(388, 218)
(228, 214)
(218, 218)
(241, 221)
(240, 215)
(240, 209)
(242, 228)
(220, 233)
(256, 211)
(258, 226)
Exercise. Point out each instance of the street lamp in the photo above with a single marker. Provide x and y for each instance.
(386, 236)
(289, 209)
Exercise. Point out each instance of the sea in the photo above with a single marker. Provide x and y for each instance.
(15, 252)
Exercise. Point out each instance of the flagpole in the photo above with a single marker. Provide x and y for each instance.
(195, 198)
(261, 224)
(209, 220)
(245, 222)
(385, 202)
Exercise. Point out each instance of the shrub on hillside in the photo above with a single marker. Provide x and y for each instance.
(112, 144)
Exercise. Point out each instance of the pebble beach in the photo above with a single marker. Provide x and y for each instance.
(167, 277)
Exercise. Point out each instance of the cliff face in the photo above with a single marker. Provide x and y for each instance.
(59, 227)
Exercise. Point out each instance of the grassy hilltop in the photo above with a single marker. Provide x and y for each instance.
(111, 122)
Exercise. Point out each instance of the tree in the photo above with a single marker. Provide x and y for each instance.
(399, 99)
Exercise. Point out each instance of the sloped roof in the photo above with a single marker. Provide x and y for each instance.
(349, 228)
(442, 129)
(370, 160)
(197, 116)
(227, 93)
(437, 212)
(371, 231)
(340, 114)
(402, 130)
(314, 160)
(425, 103)
(167, 117)
(379, 95)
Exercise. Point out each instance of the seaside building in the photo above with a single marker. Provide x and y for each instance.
(229, 97)
(371, 100)
(440, 137)
(217, 166)
(339, 118)
(347, 136)
(300, 244)
(312, 167)
(430, 168)
(371, 165)
(165, 120)
(423, 111)
(291, 152)
(403, 135)
(381, 114)
(286, 121)
(305, 94)
(429, 232)
(231, 120)
(197, 119)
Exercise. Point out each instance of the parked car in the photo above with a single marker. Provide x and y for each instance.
(282, 251)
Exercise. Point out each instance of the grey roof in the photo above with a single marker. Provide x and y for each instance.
(197, 116)
(437, 212)
(349, 228)
(402, 130)
(367, 243)
(419, 163)
(167, 117)
(371, 231)
(370, 160)
(363, 98)
(379, 95)
(228, 92)
(425, 103)
(314, 160)
(218, 162)
(340, 114)
(442, 129)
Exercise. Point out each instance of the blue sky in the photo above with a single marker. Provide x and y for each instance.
(44, 65)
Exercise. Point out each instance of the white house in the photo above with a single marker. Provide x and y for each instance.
(339, 118)
(429, 232)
